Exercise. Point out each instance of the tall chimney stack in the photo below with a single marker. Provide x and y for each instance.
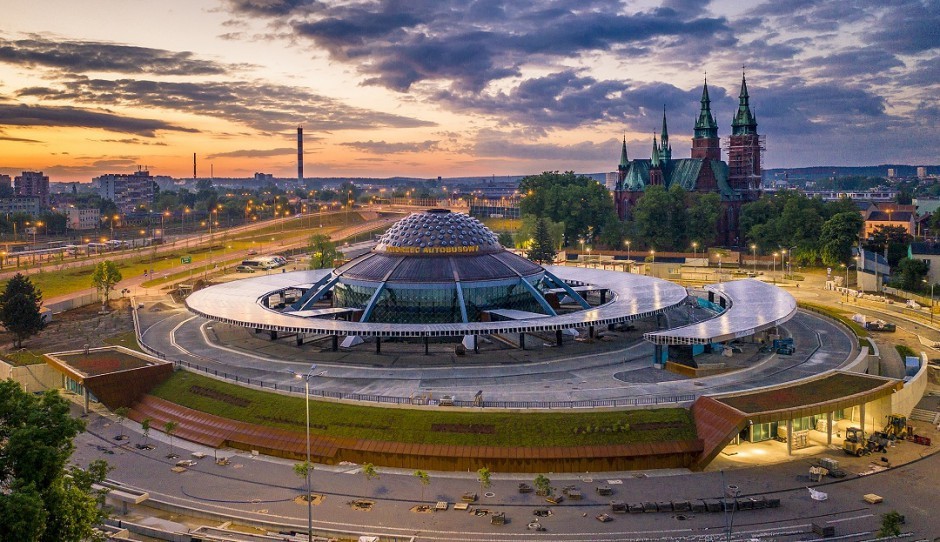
(300, 154)
(194, 166)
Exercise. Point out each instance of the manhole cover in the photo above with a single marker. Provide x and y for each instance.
(489, 494)
(681, 517)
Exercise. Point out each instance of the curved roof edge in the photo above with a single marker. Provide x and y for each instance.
(755, 306)
(239, 303)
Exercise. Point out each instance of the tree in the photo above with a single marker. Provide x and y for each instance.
(505, 238)
(425, 480)
(893, 238)
(121, 413)
(543, 485)
(302, 470)
(20, 304)
(42, 501)
(910, 274)
(169, 428)
(104, 279)
(837, 237)
(891, 524)
(368, 470)
(322, 251)
(580, 202)
(651, 228)
(542, 248)
(704, 211)
(484, 476)
(145, 427)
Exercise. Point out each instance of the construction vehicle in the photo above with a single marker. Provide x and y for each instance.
(854, 444)
(897, 427)
(784, 346)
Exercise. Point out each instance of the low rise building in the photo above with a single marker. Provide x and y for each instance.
(28, 205)
(129, 192)
(82, 219)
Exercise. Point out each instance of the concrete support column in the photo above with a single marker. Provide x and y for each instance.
(85, 394)
(378, 345)
(522, 341)
(426, 346)
(657, 355)
(273, 335)
(829, 428)
(300, 339)
(789, 437)
(861, 419)
(335, 346)
(603, 296)
(591, 331)
(476, 344)
(558, 337)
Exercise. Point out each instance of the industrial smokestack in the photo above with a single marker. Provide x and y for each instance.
(194, 166)
(300, 154)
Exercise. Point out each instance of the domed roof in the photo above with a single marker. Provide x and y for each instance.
(438, 246)
(438, 231)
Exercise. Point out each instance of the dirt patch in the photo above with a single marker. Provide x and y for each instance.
(73, 329)
(472, 429)
(362, 505)
(219, 396)
(315, 498)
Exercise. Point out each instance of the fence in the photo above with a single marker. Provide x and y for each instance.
(649, 400)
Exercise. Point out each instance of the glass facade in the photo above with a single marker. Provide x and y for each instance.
(434, 303)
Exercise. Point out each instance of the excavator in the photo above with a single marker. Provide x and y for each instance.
(897, 427)
(854, 444)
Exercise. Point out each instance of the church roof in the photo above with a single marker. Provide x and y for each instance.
(684, 171)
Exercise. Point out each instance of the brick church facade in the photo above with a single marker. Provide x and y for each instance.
(736, 181)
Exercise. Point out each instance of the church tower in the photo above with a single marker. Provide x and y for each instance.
(705, 142)
(656, 165)
(665, 149)
(744, 148)
(622, 169)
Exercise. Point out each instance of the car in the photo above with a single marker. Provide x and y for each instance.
(252, 252)
(245, 269)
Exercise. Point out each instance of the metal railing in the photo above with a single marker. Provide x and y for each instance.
(641, 401)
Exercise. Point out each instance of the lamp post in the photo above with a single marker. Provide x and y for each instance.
(306, 378)
(652, 261)
(694, 249)
(754, 259)
(845, 286)
(627, 242)
(775, 268)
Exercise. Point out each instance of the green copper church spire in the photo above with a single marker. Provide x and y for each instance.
(665, 149)
(744, 122)
(654, 158)
(624, 161)
(705, 126)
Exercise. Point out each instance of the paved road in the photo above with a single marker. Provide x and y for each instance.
(264, 489)
(584, 373)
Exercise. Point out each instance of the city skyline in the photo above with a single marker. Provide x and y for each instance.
(429, 89)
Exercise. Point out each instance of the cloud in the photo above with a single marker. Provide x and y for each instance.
(255, 153)
(567, 100)
(95, 56)
(134, 141)
(18, 139)
(67, 116)
(494, 144)
(382, 147)
(260, 105)
(397, 45)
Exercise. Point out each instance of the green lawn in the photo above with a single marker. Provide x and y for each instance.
(128, 340)
(473, 427)
(859, 331)
(21, 358)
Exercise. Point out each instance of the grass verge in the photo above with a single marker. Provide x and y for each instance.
(905, 351)
(859, 331)
(128, 340)
(475, 428)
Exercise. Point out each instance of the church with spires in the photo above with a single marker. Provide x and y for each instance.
(736, 181)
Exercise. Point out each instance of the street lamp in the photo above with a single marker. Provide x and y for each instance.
(628, 254)
(754, 258)
(694, 248)
(775, 267)
(306, 378)
(845, 286)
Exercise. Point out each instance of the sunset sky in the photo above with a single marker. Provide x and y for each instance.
(455, 88)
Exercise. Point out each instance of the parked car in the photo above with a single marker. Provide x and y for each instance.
(252, 252)
(245, 269)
